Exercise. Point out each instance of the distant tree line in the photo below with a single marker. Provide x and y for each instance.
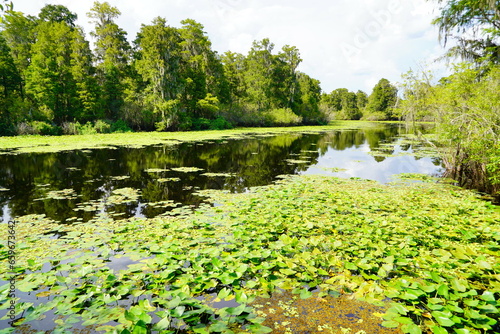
(52, 81)
(380, 105)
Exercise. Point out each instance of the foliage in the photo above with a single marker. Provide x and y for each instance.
(170, 79)
(431, 248)
(475, 25)
(382, 100)
(282, 117)
(465, 106)
(345, 104)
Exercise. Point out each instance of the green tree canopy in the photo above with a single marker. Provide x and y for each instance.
(475, 25)
(383, 99)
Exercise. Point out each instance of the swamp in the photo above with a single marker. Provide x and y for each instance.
(346, 228)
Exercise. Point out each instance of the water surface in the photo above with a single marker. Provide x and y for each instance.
(124, 182)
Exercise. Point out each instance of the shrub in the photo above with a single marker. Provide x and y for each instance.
(120, 126)
(87, 129)
(101, 126)
(201, 124)
(37, 128)
(375, 116)
(23, 129)
(282, 117)
(220, 123)
(70, 128)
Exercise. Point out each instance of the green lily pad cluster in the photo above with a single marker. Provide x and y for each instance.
(123, 195)
(431, 248)
(60, 194)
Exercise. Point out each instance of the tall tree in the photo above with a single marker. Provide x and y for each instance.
(383, 99)
(234, 67)
(202, 69)
(159, 58)
(259, 74)
(57, 77)
(286, 83)
(10, 85)
(362, 99)
(112, 53)
(474, 24)
(57, 13)
(310, 96)
(19, 33)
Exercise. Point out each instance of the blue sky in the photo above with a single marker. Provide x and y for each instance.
(343, 43)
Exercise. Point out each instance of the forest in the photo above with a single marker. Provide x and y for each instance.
(54, 82)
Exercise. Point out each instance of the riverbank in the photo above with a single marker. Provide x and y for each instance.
(33, 144)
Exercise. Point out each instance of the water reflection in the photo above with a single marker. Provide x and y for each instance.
(125, 182)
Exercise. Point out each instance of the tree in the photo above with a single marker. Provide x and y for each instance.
(19, 33)
(259, 74)
(10, 85)
(57, 78)
(361, 99)
(158, 62)
(112, 52)
(466, 110)
(288, 87)
(202, 69)
(57, 13)
(382, 100)
(343, 104)
(310, 97)
(234, 67)
(475, 25)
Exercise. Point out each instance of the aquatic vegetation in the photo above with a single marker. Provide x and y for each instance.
(219, 174)
(156, 170)
(120, 178)
(168, 179)
(24, 144)
(60, 194)
(187, 169)
(431, 248)
(123, 195)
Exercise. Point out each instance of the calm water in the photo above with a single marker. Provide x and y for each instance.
(146, 182)
(125, 182)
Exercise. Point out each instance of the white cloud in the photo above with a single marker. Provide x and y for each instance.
(343, 43)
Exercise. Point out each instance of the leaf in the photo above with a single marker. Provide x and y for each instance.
(391, 324)
(163, 323)
(178, 311)
(259, 329)
(241, 297)
(411, 329)
(288, 272)
(458, 285)
(223, 293)
(488, 296)
(305, 293)
(403, 320)
(140, 328)
(236, 310)
(443, 318)
(408, 296)
(443, 290)
(438, 330)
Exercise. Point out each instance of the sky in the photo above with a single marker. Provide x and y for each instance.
(343, 43)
